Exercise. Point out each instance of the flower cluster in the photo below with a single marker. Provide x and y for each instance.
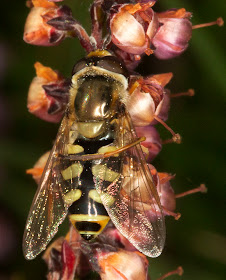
(129, 31)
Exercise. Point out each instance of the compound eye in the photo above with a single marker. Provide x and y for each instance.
(81, 64)
(112, 64)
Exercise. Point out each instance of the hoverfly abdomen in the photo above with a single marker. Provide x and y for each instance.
(87, 213)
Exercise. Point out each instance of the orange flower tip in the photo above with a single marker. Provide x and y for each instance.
(46, 72)
(165, 177)
(132, 9)
(179, 13)
(43, 3)
(35, 107)
(177, 138)
(36, 171)
(163, 79)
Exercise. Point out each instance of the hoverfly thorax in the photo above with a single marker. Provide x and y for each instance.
(99, 85)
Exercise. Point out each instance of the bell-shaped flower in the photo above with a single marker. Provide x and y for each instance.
(133, 26)
(48, 94)
(145, 97)
(174, 33)
(37, 31)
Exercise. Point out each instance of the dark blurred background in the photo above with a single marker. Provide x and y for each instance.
(197, 240)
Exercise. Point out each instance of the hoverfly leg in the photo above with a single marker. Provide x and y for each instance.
(124, 148)
(104, 155)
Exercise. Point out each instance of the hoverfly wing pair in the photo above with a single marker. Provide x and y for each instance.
(48, 209)
(130, 199)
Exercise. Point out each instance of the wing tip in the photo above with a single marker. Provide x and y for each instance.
(154, 252)
(29, 254)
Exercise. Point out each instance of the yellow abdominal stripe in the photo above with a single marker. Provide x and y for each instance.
(72, 196)
(95, 196)
(72, 136)
(104, 173)
(102, 220)
(107, 199)
(106, 149)
(72, 171)
(74, 149)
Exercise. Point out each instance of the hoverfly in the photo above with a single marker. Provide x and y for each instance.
(96, 170)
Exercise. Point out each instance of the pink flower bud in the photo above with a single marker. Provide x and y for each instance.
(152, 145)
(37, 31)
(173, 35)
(133, 26)
(123, 265)
(42, 102)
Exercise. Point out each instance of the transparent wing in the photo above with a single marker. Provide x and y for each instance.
(48, 208)
(131, 199)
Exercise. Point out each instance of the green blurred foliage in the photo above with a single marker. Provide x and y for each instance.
(197, 240)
